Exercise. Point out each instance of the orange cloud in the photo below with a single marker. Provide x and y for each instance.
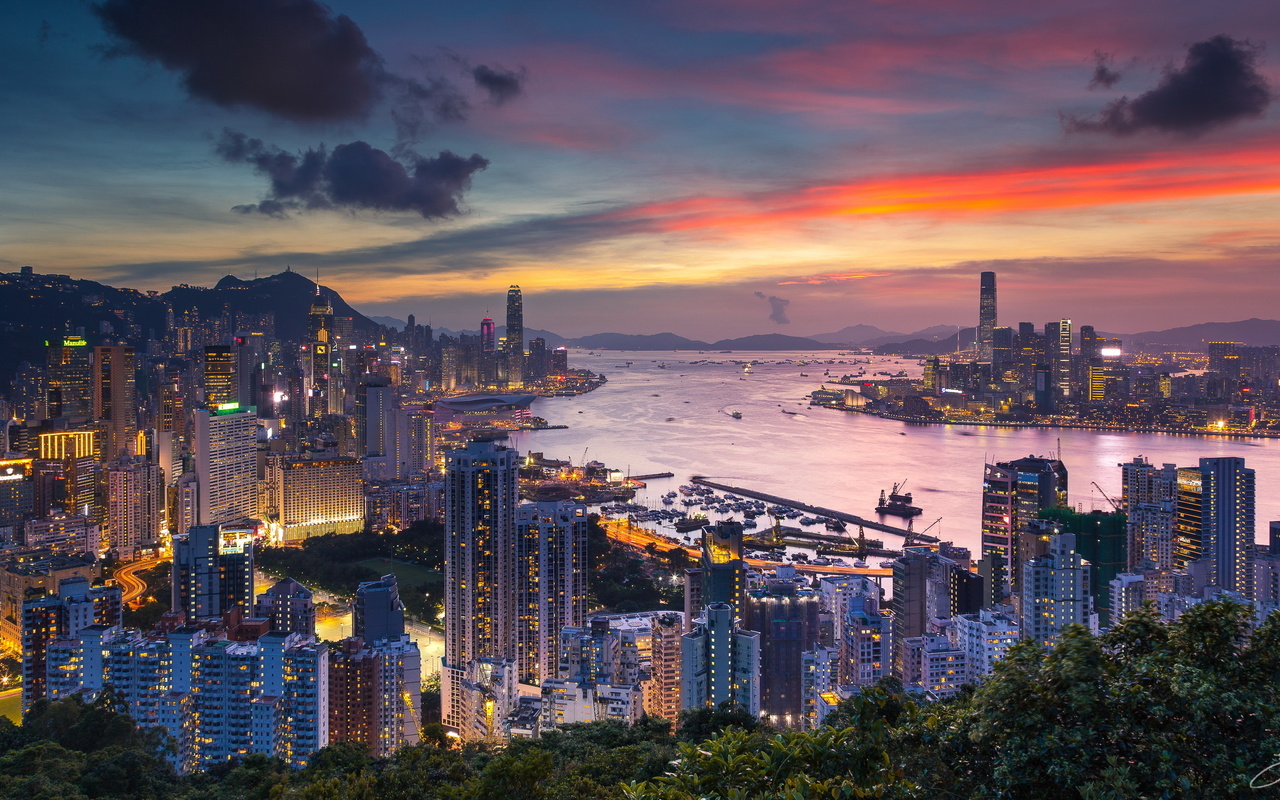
(1174, 175)
(834, 277)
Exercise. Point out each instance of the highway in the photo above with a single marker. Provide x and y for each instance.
(130, 583)
(628, 533)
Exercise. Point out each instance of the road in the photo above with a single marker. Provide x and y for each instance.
(628, 533)
(127, 577)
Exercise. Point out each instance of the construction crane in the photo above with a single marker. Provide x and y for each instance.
(912, 533)
(862, 544)
(1107, 497)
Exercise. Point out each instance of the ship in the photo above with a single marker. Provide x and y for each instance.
(897, 503)
(736, 414)
(691, 524)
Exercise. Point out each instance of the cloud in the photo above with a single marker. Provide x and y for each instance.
(353, 176)
(501, 84)
(777, 308)
(291, 58)
(1104, 76)
(1218, 84)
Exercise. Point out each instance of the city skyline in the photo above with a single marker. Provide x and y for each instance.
(783, 168)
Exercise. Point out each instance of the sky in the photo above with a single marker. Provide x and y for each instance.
(713, 168)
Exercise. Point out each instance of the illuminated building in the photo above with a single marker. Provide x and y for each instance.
(289, 607)
(69, 444)
(318, 356)
(515, 338)
(69, 387)
(226, 463)
(1215, 520)
(1055, 592)
(220, 383)
(559, 362)
(312, 497)
(551, 583)
(62, 533)
(662, 690)
(1058, 343)
(721, 575)
(1013, 492)
(486, 335)
(934, 665)
(28, 574)
(984, 638)
(720, 662)
(17, 490)
(865, 642)
(76, 606)
(1149, 501)
(818, 670)
(135, 506)
(375, 407)
(219, 699)
(115, 398)
(986, 316)
(70, 484)
(212, 572)
(480, 582)
(787, 620)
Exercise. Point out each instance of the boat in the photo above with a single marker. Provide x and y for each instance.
(792, 413)
(736, 414)
(690, 524)
(898, 503)
(887, 564)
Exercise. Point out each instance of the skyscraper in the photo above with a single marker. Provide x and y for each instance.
(1149, 501)
(551, 582)
(115, 398)
(226, 463)
(74, 607)
(1055, 592)
(479, 571)
(135, 505)
(986, 316)
(720, 662)
(1215, 520)
(289, 606)
(320, 335)
(69, 386)
(486, 335)
(1013, 492)
(515, 337)
(721, 576)
(220, 386)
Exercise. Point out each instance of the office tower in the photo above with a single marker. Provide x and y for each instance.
(30, 392)
(289, 607)
(986, 316)
(375, 402)
(48, 618)
(720, 662)
(487, 340)
(662, 690)
(515, 338)
(69, 385)
(212, 572)
(1055, 592)
(539, 362)
(69, 483)
(721, 576)
(1002, 353)
(865, 642)
(559, 362)
(135, 506)
(63, 534)
(1058, 341)
(984, 638)
(312, 497)
(320, 341)
(377, 612)
(480, 577)
(17, 490)
(420, 441)
(115, 398)
(1149, 500)
(1013, 493)
(1215, 521)
(1223, 359)
(226, 463)
(551, 583)
(251, 370)
(787, 620)
(1090, 344)
(220, 382)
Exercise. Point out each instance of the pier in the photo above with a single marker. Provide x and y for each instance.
(652, 477)
(818, 510)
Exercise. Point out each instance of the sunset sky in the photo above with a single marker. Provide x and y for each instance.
(713, 168)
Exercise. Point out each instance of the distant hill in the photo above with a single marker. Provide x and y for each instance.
(924, 347)
(773, 341)
(930, 334)
(853, 335)
(288, 295)
(390, 322)
(631, 341)
(1254, 332)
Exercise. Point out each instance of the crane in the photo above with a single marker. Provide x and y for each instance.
(1107, 497)
(862, 543)
(912, 533)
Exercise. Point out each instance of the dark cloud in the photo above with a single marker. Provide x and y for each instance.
(1104, 75)
(292, 58)
(1218, 84)
(501, 84)
(352, 176)
(777, 308)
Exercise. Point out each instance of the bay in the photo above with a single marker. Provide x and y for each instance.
(649, 418)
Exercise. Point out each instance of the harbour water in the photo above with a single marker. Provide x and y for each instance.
(678, 418)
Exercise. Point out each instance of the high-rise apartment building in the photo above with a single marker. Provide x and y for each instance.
(551, 582)
(115, 399)
(76, 605)
(984, 638)
(720, 662)
(289, 607)
(1215, 521)
(226, 463)
(662, 690)
(721, 576)
(986, 316)
(212, 572)
(1013, 493)
(63, 534)
(1055, 592)
(135, 505)
(865, 642)
(787, 619)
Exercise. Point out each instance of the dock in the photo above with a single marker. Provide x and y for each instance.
(652, 477)
(868, 524)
